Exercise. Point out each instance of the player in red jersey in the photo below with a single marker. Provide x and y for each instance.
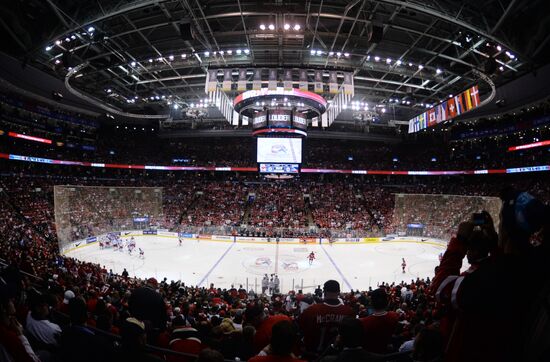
(319, 322)
(403, 265)
(311, 257)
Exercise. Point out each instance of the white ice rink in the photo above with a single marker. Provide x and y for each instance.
(354, 265)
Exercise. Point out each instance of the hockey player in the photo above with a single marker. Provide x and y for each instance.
(403, 265)
(141, 253)
(311, 257)
(180, 241)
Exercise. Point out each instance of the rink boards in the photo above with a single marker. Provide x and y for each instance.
(228, 261)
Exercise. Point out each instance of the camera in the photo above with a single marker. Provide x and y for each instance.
(478, 218)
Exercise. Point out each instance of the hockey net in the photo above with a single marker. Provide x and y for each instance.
(438, 216)
(85, 211)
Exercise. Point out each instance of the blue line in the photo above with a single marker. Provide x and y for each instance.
(336, 267)
(216, 264)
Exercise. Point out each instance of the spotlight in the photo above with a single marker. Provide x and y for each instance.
(91, 29)
(57, 42)
(338, 54)
(346, 54)
(499, 48)
(287, 26)
(206, 54)
(376, 58)
(297, 27)
(175, 106)
(229, 52)
(171, 57)
(109, 90)
(48, 48)
(262, 27)
(150, 60)
(438, 71)
(133, 64)
(247, 51)
(312, 52)
(57, 61)
(238, 51)
(388, 61)
(271, 27)
(420, 66)
(319, 52)
(331, 53)
(398, 62)
(183, 56)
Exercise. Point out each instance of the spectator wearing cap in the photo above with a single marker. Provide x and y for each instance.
(484, 328)
(147, 305)
(43, 332)
(380, 325)
(133, 341)
(67, 296)
(349, 343)
(282, 343)
(319, 323)
(259, 319)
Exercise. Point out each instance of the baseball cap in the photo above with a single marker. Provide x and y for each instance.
(331, 286)
(69, 294)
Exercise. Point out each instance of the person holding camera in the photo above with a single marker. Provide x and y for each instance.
(485, 317)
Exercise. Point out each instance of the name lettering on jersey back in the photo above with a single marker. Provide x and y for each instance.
(329, 318)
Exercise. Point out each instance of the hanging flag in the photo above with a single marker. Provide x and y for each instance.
(474, 93)
(287, 82)
(303, 80)
(348, 83)
(272, 82)
(227, 80)
(468, 100)
(459, 104)
(212, 80)
(443, 111)
(257, 81)
(318, 86)
(431, 117)
(241, 83)
(451, 108)
(315, 121)
(333, 82)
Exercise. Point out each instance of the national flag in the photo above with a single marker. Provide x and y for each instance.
(468, 99)
(474, 93)
(443, 111)
(423, 121)
(431, 117)
(451, 108)
(459, 105)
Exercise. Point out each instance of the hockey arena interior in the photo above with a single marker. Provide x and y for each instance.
(277, 181)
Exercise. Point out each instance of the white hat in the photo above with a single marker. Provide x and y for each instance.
(69, 294)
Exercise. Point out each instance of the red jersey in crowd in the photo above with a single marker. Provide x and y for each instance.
(379, 328)
(263, 332)
(319, 323)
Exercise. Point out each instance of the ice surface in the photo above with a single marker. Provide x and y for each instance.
(354, 265)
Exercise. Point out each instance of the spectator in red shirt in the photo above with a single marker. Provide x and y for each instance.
(319, 323)
(283, 339)
(257, 317)
(380, 325)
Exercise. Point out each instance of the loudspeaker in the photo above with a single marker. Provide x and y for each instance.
(490, 66)
(185, 31)
(376, 34)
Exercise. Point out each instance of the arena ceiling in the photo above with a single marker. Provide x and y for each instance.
(404, 53)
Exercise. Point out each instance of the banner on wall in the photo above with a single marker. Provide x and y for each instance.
(303, 84)
(211, 80)
(272, 82)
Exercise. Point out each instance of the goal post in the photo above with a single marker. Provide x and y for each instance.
(85, 211)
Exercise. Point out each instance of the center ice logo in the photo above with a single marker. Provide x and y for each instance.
(263, 261)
